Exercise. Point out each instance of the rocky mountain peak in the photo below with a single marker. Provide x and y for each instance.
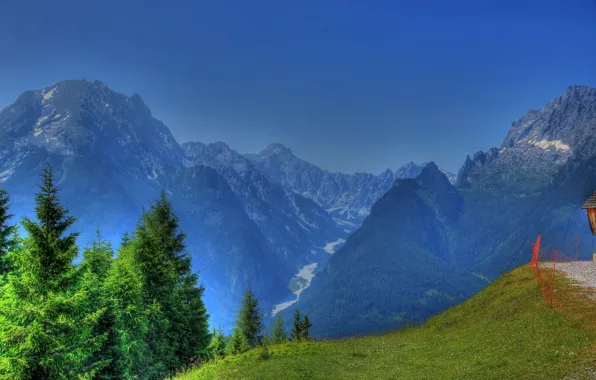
(275, 149)
(565, 125)
(78, 117)
(431, 174)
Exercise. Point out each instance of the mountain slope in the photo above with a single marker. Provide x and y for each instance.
(397, 267)
(506, 331)
(296, 228)
(536, 182)
(112, 158)
(347, 197)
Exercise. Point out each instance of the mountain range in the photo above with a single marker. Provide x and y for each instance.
(347, 197)
(255, 219)
(356, 252)
(428, 244)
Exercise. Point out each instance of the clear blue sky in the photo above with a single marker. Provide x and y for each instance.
(348, 85)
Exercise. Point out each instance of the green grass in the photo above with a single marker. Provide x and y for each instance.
(507, 331)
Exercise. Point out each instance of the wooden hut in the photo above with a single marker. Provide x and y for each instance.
(590, 207)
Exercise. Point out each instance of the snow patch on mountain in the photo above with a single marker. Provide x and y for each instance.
(330, 247)
(546, 144)
(346, 197)
(49, 94)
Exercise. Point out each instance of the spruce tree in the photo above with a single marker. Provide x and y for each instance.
(297, 330)
(304, 326)
(96, 264)
(279, 333)
(178, 331)
(7, 235)
(264, 354)
(249, 318)
(237, 343)
(125, 239)
(46, 330)
(124, 293)
(248, 326)
(217, 347)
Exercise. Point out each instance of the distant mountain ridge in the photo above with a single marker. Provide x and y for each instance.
(347, 197)
(112, 158)
(391, 271)
(292, 224)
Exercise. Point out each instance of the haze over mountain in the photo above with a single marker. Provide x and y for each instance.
(112, 158)
(420, 240)
(428, 244)
(347, 197)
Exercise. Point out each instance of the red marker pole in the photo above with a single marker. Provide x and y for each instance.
(577, 248)
(552, 289)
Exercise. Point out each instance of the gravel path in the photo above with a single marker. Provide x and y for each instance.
(582, 271)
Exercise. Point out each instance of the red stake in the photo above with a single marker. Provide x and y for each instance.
(552, 289)
(577, 248)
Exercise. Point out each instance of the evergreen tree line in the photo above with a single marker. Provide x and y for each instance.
(138, 314)
(248, 331)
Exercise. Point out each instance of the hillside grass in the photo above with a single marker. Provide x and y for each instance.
(507, 331)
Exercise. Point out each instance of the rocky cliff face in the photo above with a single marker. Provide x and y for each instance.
(536, 182)
(538, 144)
(398, 267)
(347, 197)
(296, 227)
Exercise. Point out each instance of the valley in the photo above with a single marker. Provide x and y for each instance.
(303, 237)
(298, 190)
(303, 278)
(506, 331)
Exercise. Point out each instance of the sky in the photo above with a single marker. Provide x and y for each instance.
(347, 85)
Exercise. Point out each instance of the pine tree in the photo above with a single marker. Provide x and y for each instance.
(46, 330)
(217, 346)
(125, 239)
(7, 235)
(297, 331)
(304, 326)
(237, 343)
(96, 264)
(248, 326)
(264, 354)
(249, 318)
(279, 333)
(123, 289)
(178, 330)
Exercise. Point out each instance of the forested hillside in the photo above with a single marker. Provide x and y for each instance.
(138, 315)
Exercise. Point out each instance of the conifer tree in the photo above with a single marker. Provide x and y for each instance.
(250, 318)
(7, 234)
(96, 264)
(297, 330)
(264, 354)
(125, 239)
(304, 326)
(248, 324)
(124, 293)
(46, 330)
(178, 331)
(217, 347)
(279, 333)
(237, 343)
